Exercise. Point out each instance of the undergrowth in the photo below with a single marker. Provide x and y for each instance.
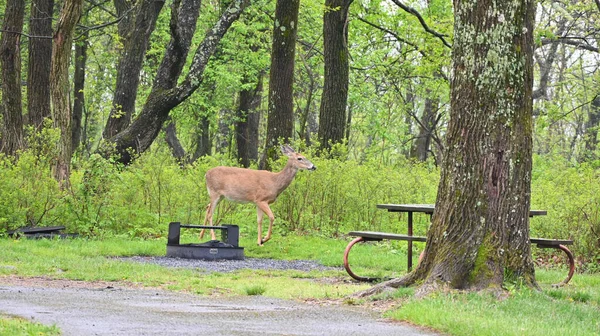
(141, 199)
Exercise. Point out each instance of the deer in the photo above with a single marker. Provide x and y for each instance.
(260, 187)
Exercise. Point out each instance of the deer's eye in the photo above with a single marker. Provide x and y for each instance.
(300, 159)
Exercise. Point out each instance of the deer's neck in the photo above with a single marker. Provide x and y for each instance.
(285, 177)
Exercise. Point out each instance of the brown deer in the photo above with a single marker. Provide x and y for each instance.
(260, 187)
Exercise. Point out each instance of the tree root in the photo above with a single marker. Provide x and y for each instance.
(386, 286)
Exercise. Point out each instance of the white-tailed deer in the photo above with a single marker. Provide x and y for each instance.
(260, 187)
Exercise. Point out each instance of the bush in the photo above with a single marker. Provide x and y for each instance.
(141, 199)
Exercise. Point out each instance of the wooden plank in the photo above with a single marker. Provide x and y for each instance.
(425, 208)
(383, 235)
(32, 230)
(551, 242)
(393, 236)
(429, 208)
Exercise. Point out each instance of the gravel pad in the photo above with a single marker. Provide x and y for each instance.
(234, 265)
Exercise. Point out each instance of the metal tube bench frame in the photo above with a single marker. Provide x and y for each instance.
(364, 236)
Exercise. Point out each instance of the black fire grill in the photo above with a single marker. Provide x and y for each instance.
(228, 248)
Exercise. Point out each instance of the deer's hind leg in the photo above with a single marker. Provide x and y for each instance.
(263, 207)
(208, 218)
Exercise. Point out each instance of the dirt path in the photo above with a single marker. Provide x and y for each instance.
(99, 309)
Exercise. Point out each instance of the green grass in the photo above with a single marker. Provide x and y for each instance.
(14, 326)
(571, 310)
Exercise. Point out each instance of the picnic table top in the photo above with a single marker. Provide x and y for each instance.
(428, 208)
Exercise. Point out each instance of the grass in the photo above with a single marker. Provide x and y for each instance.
(572, 310)
(15, 326)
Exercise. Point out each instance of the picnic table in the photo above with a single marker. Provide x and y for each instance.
(428, 209)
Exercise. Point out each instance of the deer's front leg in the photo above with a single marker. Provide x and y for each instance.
(264, 207)
(259, 215)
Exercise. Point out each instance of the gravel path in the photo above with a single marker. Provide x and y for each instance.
(82, 311)
(233, 265)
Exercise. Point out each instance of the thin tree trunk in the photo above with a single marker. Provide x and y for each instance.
(78, 89)
(248, 119)
(173, 141)
(59, 86)
(280, 122)
(135, 32)
(10, 63)
(203, 146)
(40, 56)
(332, 114)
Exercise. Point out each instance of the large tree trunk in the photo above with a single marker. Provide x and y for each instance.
(78, 89)
(40, 55)
(332, 114)
(59, 86)
(165, 95)
(10, 63)
(135, 32)
(248, 119)
(480, 229)
(280, 122)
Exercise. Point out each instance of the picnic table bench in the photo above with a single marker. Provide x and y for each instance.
(363, 236)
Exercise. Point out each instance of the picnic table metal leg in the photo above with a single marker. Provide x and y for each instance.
(410, 244)
(571, 261)
(571, 265)
(347, 265)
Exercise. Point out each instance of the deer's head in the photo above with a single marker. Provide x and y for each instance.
(296, 159)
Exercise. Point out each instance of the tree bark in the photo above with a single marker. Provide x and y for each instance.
(173, 141)
(10, 63)
(248, 119)
(40, 56)
(135, 31)
(332, 114)
(59, 86)
(203, 145)
(280, 122)
(78, 89)
(591, 128)
(479, 236)
(164, 95)
(422, 145)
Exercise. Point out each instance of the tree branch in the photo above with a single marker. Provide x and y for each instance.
(581, 44)
(415, 13)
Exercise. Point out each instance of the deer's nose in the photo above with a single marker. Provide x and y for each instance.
(313, 168)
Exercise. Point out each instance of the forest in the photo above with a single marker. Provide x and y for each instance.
(112, 112)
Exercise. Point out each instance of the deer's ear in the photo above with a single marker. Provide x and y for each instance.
(284, 149)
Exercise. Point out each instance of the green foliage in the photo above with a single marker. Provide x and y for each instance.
(255, 290)
(340, 196)
(523, 313)
(18, 326)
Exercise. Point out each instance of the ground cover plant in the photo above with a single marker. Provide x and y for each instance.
(572, 309)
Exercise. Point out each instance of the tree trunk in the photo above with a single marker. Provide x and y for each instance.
(280, 122)
(203, 145)
(422, 145)
(135, 32)
(591, 128)
(248, 119)
(78, 89)
(10, 63)
(480, 229)
(332, 114)
(173, 141)
(59, 86)
(40, 56)
(164, 95)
